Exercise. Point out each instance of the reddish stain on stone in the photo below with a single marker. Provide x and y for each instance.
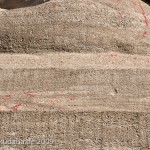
(113, 55)
(16, 106)
(62, 89)
(1, 110)
(134, 4)
(72, 98)
(8, 96)
(143, 13)
(30, 94)
(5, 103)
(145, 33)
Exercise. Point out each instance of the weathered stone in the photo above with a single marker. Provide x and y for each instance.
(91, 100)
(76, 26)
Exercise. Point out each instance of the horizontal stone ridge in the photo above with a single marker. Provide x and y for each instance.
(76, 89)
(79, 83)
(74, 61)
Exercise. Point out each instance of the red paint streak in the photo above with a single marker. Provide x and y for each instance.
(143, 13)
(141, 36)
(144, 34)
(16, 106)
(30, 94)
(133, 3)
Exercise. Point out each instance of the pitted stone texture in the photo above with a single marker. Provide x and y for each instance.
(78, 131)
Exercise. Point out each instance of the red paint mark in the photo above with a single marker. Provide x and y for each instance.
(62, 89)
(143, 13)
(72, 98)
(16, 106)
(30, 94)
(140, 36)
(5, 103)
(8, 96)
(134, 4)
(145, 33)
(113, 55)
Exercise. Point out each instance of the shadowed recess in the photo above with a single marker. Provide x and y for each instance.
(146, 1)
(13, 4)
